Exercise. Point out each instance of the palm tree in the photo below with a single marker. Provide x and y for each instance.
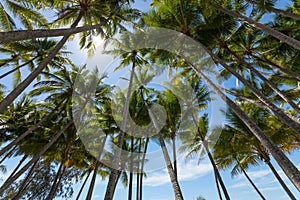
(88, 11)
(246, 155)
(154, 18)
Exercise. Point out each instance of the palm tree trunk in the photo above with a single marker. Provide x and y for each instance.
(8, 182)
(25, 182)
(84, 183)
(13, 36)
(54, 188)
(217, 185)
(281, 69)
(19, 67)
(281, 12)
(216, 171)
(174, 155)
(29, 131)
(174, 181)
(257, 103)
(131, 171)
(92, 184)
(278, 112)
(253, 185)
(138, 172)
(18, 166)
(286, 165)
(55, 181)
(113, 175)
(7, 154)
(142, 168)
(269, 83)
(24, 84)
(284, 186)
(280, 36)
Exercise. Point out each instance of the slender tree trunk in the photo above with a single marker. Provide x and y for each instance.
(113, 175)
(286, 13)
(278, 112)
(280, 36)
(174, 181)
(142, 168)
(7, 154)
(269, 83)
(286, 165)
(131, 170)
(24, 84)
(19, 67)
(253, 185)
(13, 36)
(281, 12)
(92, 184)
(138, 172)
(211, 159)
(284, 186)
(217, 185)
(55, 181)
(54, 188)
(29, 131)
(281, 69)
(174, 154)
(18, 166)
(8, 182)
(257, 103)
(25, 182)
(84, 183)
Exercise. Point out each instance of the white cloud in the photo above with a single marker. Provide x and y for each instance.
(240, 184)
(186, 172)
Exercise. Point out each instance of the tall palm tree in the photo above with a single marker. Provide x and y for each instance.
(163, 18)
(86, 11)
(249, 154)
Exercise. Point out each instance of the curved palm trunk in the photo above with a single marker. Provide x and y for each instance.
(280, 36)
(56, 180)
(142, 168)
(278, 112)
(29, 131)
(269, 83)
(217, 185)
(281, 12)
(286, 165)
(25, 182)
(284, 186)
(92, 184)
(281, 69)
(18, 166)
(174, 181)
(257, 103)
(253, 185)
(211, 159)
(54, 191)
(82, 186)
(110, 189)
(19, 67)
(7, 154)
(24, 84)
(13, 36)
(9, 181)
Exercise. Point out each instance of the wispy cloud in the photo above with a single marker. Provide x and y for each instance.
(186, 172)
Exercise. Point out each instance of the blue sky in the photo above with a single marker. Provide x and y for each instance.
(198, 180)
(195, 180)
